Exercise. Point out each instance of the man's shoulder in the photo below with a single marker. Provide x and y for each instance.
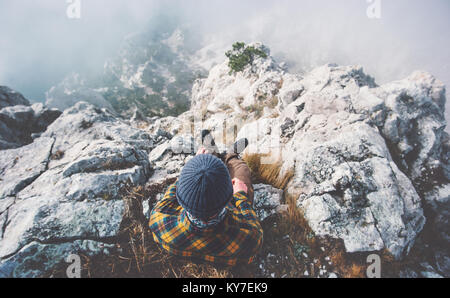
(168, 204)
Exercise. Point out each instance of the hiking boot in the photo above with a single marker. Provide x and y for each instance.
(240, 146)
(207, 137)
(208, 143)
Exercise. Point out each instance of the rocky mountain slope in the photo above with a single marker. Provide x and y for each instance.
(75, 88)
(152, 73)
(366, 165)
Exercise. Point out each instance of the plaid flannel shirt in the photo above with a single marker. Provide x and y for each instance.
(235, 240)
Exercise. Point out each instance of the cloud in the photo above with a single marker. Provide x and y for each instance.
(39, 45)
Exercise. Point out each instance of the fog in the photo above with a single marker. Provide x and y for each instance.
(39, 44)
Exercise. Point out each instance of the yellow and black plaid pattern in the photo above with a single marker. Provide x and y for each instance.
(235, 240)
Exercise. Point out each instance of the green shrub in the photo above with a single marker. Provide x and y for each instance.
(242, 55)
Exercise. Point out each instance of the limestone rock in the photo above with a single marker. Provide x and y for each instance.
(63, 193)
(353, 183)
(267, 200)
(18, 124)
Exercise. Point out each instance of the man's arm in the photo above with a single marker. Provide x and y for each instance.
(169, 202)
(253, 229)
(243, 203)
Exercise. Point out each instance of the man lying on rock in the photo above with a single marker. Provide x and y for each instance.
(207, 214)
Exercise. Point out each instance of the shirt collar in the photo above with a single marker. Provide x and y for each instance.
(201, 224)
(185, 220)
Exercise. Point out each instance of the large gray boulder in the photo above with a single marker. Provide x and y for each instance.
(9, 97)
(267, 201)
(63, 194)
(365, 159)
(20, 123)
(352, 190)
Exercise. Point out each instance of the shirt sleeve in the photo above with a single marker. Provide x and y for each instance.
(254, 232)
(241, 202)
(168, 203)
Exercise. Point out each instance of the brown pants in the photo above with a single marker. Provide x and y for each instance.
(239, 169)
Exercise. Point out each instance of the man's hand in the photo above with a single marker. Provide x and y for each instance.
(202, 151)
(238, 186)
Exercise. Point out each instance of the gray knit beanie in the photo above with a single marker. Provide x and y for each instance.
(204, 187)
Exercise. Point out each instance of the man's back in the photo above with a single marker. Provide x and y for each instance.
(236, 239)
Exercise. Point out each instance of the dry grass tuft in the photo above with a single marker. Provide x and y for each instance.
(268, 173)
(299, 253)
(355, 271)
(112, 165)
(273, 102)
(143, 125)
(57, 155)
(257, 109)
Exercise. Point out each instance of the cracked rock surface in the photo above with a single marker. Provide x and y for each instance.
(358, 176)
(20, 167)
(61, 194)
(267, 201)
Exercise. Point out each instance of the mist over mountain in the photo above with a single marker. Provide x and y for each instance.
(153, 73)
(40, 45)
